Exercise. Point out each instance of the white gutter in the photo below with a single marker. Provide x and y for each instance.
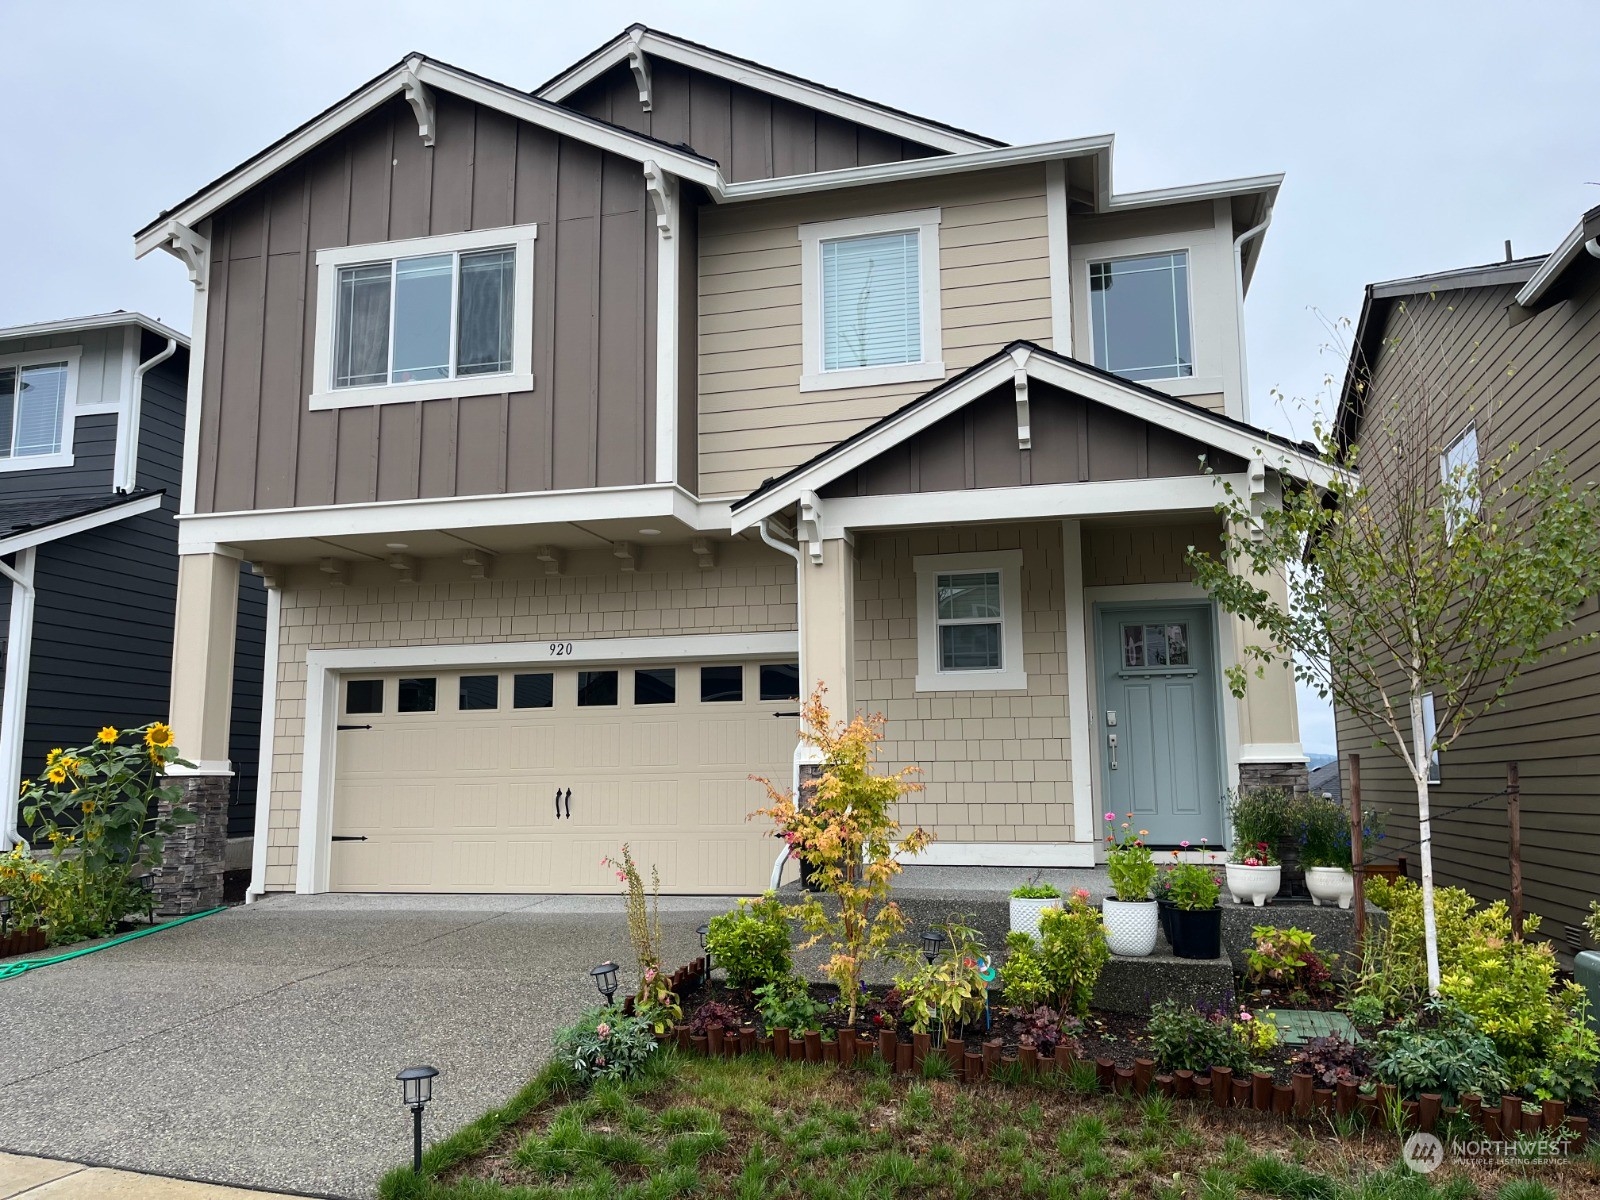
(125, 475)
(269, 714)
(14, 703)
(1238, 295)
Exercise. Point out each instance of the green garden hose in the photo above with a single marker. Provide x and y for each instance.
(13, 970)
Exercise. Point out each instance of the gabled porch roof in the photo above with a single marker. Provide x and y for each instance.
(1019, 364)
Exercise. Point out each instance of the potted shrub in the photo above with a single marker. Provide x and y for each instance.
(1260, 819)
(1028, 903)
(1131, 917)
(1195, 918)
(1324, 837)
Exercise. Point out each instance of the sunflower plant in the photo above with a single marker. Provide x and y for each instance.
(96, 808)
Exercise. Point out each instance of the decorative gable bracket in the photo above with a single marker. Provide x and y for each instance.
(1258, 495)
(1019, 380)
(421, 100)
(808, 527)
(640, 66)
(191, 248)
(663, 197)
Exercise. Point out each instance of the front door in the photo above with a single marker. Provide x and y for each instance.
(1160, 740)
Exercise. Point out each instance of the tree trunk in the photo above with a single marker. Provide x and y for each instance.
(1422, 756)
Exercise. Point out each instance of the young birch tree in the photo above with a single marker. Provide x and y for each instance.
(1414, 572)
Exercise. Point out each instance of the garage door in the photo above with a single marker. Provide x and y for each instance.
(522, 780)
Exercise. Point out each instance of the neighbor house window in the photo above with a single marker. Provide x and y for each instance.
(428, 318)
(870, 300)
(969, 622)
(1430, 730)
(36, 398)
(1458, 472)
(1139, 315)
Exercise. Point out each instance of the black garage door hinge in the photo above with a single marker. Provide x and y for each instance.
(349, 837)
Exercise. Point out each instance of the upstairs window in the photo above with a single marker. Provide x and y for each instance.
(425, 319)
(36, 397)
(1458, 472)
(870, 300)
(1139, 316)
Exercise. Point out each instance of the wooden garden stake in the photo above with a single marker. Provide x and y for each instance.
(902, 1058)
(1241, 1093)
(1357, 856)
(1261, 1090)
(1428, 1107)
(1300, 1085)
(1221, 1086)
(1144, 1070)
(1514, 819)
(1028, 1056)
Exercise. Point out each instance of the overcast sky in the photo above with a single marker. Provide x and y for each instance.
(1416, 137)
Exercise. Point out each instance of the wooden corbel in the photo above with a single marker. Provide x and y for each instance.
(627, 553)
(337, 571)
(1258, 495)
(808, 527)
(189, 248)
(421, 100)
(404, 567)
(1019, 380)
(478, 563)
(703, 553)
(640, 66)
(663, 196)
(550, 557)
(270, 574)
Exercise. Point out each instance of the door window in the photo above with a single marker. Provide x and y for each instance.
(479, 692)
(1156, 645)
(655, 685)
(780, 681)
(597, 689)
(418, 695)
(536, 690)
(719, 684)
(363, 696)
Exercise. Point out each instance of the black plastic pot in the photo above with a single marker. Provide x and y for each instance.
(1196, 934)
(1164, 915)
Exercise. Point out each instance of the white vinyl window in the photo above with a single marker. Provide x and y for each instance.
(870, 300)
(37, 391)
(1139, 316)
(425, 319)
(1458, 473)
(969, 622)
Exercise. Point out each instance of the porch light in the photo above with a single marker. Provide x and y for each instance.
(147, 885)
(605, 978)
(416, 1089)
(932, 943)
(705, 932)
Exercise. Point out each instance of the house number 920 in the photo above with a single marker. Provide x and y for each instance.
(561, 649)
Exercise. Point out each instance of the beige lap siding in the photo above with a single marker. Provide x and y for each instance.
(750, 591)
(997, 765)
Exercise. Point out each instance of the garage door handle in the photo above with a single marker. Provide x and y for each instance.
(344, 727)
(558, 804)
(349, 837)
(569, 804)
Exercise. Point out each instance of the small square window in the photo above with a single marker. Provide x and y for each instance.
(780, 681)
(363, 696)
(655, 685)
(721, 684)
(418, 695)
(479, 692)
(533, 691)
(597, 689)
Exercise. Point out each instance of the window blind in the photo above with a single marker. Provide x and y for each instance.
(871, 301)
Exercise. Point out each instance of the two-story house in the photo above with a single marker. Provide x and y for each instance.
(91, 452)
(578, 432)
(1483, 359)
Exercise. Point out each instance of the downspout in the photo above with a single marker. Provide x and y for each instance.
(264, 746)
(1238, 295)
(802, 753)
(127, 476)
(14, 699)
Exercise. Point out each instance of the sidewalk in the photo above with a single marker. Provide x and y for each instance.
(52, 1179)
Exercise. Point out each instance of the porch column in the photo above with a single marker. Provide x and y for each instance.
(827, 602)
(1082, 747)
(200, 711)
(1269, 722)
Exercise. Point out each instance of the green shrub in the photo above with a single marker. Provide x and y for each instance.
(751, 942)
(1063, 965)
(1365, 1012)
(787, 1003)
(1036, 891)
(1185, 1038)
(1128, 860)
(1192, 887)
(951, 989)
(1022, 976)
(1262, 817)
(1286, 960)
(1322, 827)
(604, 1044)
(1437, 1049)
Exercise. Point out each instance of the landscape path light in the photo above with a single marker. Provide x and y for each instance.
(705, 932)
(932, 942)
(605, 978)
(416, 1089)
(147, 885)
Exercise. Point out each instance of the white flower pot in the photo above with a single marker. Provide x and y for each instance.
(1025, 914)
(1330, 885)
(1131, 926)
(1254, 885)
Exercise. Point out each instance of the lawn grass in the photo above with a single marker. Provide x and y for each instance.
(757, 1129)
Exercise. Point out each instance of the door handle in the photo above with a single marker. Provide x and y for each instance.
(1111, 742)
(558, 804)
(569, 804)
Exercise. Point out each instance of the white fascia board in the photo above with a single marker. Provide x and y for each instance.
(918, 168)
(98, 321)
(1030, 502)
(849, 108)
(1197, 191)
(201, 532)
(379, 91)
(74, 525)
(1550, 270)
(666, 648)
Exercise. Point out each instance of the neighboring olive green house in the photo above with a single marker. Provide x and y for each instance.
(577, 433)
(1504, 353)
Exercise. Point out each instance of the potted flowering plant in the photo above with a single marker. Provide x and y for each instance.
(1324, 836)
(1131, 917)
(1028, 904)
(1195, 918)
(1260, 818)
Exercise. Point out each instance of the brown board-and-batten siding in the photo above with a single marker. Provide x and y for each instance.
(1073, 440)
(751, 134)
(1537, 384)
(589, 420)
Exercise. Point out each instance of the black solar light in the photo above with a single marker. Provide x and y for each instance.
(416, 1087)
(147, 885)
(705, 932)
(5, 914)
(605, 978)
(932, 943)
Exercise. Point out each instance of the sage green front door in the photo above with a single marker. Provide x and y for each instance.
(1160, 740)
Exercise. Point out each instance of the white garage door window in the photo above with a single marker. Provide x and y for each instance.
(447, 781)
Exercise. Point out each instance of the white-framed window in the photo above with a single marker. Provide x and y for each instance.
(1140, 316)
(969, 622)
(426, 318)
(869, 299)
(1430, 730)
(38, 392)
(1458, 474)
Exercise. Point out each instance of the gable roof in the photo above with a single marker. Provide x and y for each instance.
(110, 320)
(418, 70)
(762, 78)
(1298, 459)
(1585, 236)
(25, 523)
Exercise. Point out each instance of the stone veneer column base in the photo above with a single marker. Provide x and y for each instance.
(189, 879)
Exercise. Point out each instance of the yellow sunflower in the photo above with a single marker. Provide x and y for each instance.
(50, 759)
(107, 735)
(158, 735)
(26, 784)
(88, 806)
(57, 774)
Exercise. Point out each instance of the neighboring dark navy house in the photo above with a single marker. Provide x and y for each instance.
(91, 466)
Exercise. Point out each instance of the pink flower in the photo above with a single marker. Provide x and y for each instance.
(1184, 843)
(599, 1060)
(622, 876)
(602, 1030)
(1244, 1016)
(649, 974)
(1081, 893)
(1111, 816)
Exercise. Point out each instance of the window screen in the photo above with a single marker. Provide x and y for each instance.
(969, 620)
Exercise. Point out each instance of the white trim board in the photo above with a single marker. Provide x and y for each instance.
(82, 524)
(1005, 854)
(324, 669)
(14, 707)
(98, 321)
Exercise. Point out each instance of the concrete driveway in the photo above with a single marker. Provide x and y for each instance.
(259, 1047)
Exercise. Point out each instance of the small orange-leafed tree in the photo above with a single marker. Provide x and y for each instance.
(845, 830)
